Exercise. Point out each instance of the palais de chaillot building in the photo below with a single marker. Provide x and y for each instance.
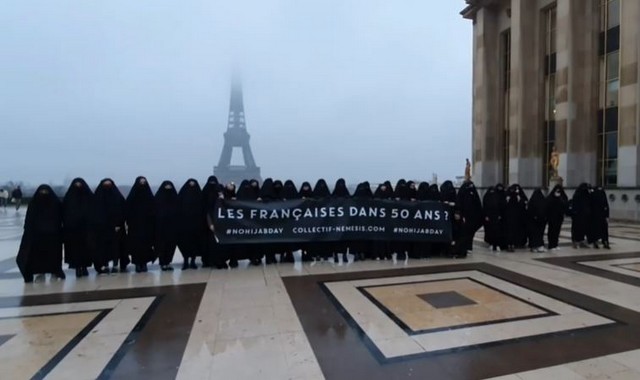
(560, 74)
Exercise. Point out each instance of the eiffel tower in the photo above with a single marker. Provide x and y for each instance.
(236, 136)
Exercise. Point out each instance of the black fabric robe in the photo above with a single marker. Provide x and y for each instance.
(516, 217)
(580, 211)
(192, 229)
(557, 204)
(537, 219)
(41, 245)
(470, 206)
(141, 222)
(448, 193)
(248, 191)
(340, 191)
(380, 249)
(600, 211)
(494, 205)
(167, 222)
(362, 249)
(76, 215)
(107, 228)
(211, 254)
(320, 250)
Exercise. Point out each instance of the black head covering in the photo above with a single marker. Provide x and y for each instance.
(383, 192)
(340, 190)
(248, 191)
(44, 213)
(229, 191)
(423, 192)
(108, 202)
(77, 204)
(433, 193)
(167, 204)
(363, 191)
(537, 205)
(277, 189)
(448, 192)
(401, 191)
(190, 203)
(289, 190)
(140, 202)
(321, 190)
(305, 190)
(267, 192)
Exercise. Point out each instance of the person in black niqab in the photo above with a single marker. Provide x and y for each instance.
(289, 192)
(228, 251)
(340, 191)
(402, 192)
(320, 250)
(211, 254)
(515, 218)
(167, 224)
(557, 204)
(448, 193)
(268, 194)
(470, 206)
(382, 249)
(76, 214)
(580, 211)
(192, 229)
(600, 220)
(41, 246)
(141, 222)
(537, 221)
(362, 249)
(107, 228)
(249, 191)
(494, 208)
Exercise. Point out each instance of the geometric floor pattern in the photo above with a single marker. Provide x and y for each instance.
(570, 314)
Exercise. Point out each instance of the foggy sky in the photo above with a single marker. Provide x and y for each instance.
(361, 89)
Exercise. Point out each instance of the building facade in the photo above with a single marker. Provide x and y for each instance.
(556, 74)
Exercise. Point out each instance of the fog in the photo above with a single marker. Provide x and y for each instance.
(360, 89)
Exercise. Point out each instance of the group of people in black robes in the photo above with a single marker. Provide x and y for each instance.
(105, 230)
(512, 220)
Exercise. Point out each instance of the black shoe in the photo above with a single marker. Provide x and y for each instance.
(270, 259)
(206, 265)
(345, 258)
(222, 266)
(185, 266)
(79, 272)
(401, 256)
(596, 246)
(193, 264)
(305, 257)
(60, 275)
(606, 245)
(138, 268)
(28, 279)
(144, 268)
(233, 263)
(84, 271)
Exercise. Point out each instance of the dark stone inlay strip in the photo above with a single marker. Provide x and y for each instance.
(398, 321)
(344, 351)
(445, 300)
(627, 266)
(155, 347)
(5, 338)
(573, 263)
(57, 358)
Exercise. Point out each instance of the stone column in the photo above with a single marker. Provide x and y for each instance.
(525, 120)
(577, 82)
(486, 116)
(628, 168)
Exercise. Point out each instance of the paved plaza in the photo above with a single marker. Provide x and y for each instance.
(571, 314)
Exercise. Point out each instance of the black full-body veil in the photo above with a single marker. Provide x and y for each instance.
(320, 250)
(41, 245)
(167, 222)
(557, 203)
(362, 249)
(580, 210)
(599, 221)
(212, 254)
(470, 207)
(494, 208)
(382, 249)
(537, 219)
(141, 219)
(76, 215)
(191, 230)
(340, 191)
(107, 226)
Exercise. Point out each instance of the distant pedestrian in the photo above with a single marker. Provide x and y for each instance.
(16, 197)
(4, 198)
